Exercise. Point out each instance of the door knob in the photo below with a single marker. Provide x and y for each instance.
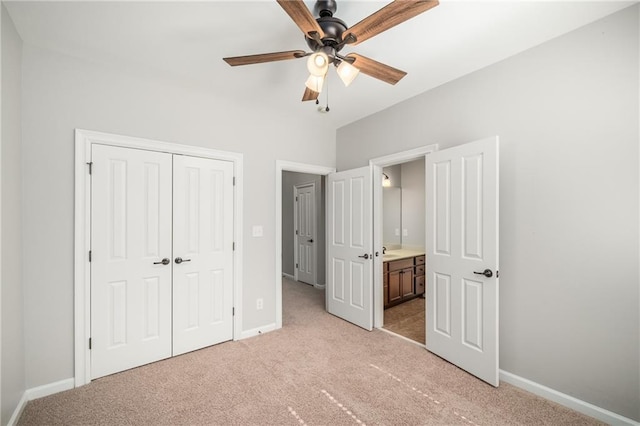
(364, 256)
(310, 241)
(179, 260)
(487, 273)
(164, 261)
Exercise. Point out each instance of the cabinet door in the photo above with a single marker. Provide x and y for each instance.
(395, 292)
(385, 289)
(419, 280)
(406, 278)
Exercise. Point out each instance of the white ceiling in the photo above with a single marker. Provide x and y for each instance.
(185, 42)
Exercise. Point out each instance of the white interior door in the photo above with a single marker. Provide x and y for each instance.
(131, 235)
(462, 243)
(349, 290)
(203, 253)
(305, 233)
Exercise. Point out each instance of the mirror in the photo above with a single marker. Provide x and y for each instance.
(392, 218)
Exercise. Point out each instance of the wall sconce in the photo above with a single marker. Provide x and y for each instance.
(386, 182)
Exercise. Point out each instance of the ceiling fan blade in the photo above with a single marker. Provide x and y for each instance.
(376, 69)
(303, 18)
(309, 95)
(264, 57)
(389, 16)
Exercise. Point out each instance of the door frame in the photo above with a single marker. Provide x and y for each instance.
(84, 139)
(288, 166)
(315, 230)
(378, 163)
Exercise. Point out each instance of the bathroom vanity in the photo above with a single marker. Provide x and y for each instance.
(403, 276)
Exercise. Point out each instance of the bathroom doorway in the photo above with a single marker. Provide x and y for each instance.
(403, 257)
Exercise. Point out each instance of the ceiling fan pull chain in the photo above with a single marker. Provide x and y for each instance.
(327, 78)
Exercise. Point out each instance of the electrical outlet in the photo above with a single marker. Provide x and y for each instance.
(257, 231)
(259, 304)
(405, 232)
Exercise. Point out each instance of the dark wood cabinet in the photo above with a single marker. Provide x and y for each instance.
(403, 280)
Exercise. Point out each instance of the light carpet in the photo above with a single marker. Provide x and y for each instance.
(316, 370)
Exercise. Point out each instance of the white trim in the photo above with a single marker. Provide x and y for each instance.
(84, 139)
(289, 167)
(39, 392)
(319, 286)
(378, 164)
(567, 400)
(258, 331)
(18, 411)
(296, 189)
(291, 277)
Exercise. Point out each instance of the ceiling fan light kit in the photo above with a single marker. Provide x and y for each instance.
(327, 35)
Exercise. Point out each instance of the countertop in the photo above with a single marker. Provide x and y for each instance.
(401, 254)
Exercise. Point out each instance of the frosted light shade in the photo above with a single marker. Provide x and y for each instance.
(315, 83)
(347, 72)
(318, 64)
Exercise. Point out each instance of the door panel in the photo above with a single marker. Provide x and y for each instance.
(350, 280)
(462, 225)
(131, 229)
(306, 231)
(203, 239)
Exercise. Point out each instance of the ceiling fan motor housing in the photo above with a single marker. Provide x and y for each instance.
(332, 27)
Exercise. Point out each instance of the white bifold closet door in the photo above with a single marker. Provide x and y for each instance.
(162, 256)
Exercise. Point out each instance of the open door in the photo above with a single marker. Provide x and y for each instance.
(350, 250)
(462, 257)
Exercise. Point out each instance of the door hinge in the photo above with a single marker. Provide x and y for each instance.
(234, 181)
(233, 312)
(90, 167)
(89, 342)
(233, 246)
(296, 232)
(296, 198)
(89, 255)
(296, 266)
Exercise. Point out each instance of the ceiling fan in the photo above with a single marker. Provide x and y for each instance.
(327, 35)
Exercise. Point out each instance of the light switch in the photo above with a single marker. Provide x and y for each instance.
(257, 231)
(405, 232)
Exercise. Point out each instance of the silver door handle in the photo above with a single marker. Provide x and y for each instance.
(179, 260)
(164, 261)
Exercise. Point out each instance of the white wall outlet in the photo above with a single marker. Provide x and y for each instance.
(259, 304)
(405, 232)
(397, 232)
(257, 231)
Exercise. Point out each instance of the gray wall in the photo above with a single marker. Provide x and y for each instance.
(413, 204)
(289, 180)
(60, 94)
(12, 367)
(567, 116)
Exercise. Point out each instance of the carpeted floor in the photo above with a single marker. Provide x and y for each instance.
(407, 319)
(317, 369)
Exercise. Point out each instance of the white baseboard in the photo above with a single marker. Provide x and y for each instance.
(319, 286)
(18, 411)
(567, 400)
(291, 277)
(39, 392)
(257, 331)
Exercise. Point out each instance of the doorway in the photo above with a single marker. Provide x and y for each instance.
(288, 175)
(403, 239)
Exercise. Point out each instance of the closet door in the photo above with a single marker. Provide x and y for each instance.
(131, 235)
(203, 253)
